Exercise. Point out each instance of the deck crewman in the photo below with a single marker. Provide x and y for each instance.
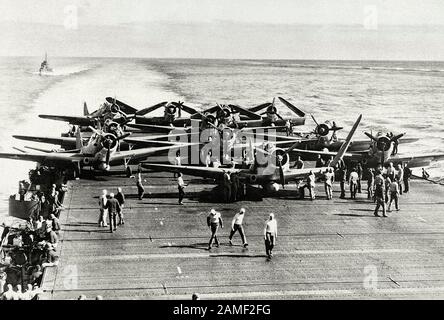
(359, 170)
(311, 184)
(139, 184)
(120, 197)
(379, 194)
(214, 220)
(342, 179)
(236, 225)
(181, 186)
(406, 178)
(270, 235)
(299, 164)
(329, 177)
(102, 202)
(399, 177)
(370, 183)
(353, 182)
(394, 195)
(113, 207)
(320, 162)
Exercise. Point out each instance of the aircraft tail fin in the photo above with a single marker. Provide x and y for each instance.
(79, 142)
(85, 109)
(346, 143)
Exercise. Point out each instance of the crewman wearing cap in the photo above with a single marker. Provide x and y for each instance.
(214, 219)
(270, 235)
(236, 224)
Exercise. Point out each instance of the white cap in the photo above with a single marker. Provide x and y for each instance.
(272, 215)
(213, 211)
(242, 210)
(111, 195)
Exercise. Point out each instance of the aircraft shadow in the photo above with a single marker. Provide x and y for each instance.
(236, 255)
(355, 215)
(81, 224)
(104, 230)
(198, 246)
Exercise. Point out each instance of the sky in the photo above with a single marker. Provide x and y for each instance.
(291, 29)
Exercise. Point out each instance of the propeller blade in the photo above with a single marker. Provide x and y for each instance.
(312, 116)
(260, 107)
(397, 137)
(371, 136)
(151, 109)
(293, 108)
(279, 116)
(187, 108)
(204, 117)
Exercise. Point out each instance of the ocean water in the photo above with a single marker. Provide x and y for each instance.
(391, 95)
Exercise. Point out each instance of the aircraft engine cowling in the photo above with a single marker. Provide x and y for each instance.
(271, 110)
(279, 154)
(210, 119)
(383, 143)
(322, 129)
(115, 108)
(224, 113)
(109, 141)
(171, 110)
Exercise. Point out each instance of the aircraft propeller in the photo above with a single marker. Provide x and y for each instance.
(323, 129)
(383, 143)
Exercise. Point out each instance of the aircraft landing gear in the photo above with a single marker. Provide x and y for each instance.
(129, 171)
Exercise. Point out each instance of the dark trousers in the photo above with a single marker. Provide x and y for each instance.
(394, 196)
(181, 193)
(140, 191)
(269, 243)
(342, 184)
(302, 192)
(214, 227)
(380, 203)
(238, 227)
(406, 185)
(112, 221)
(353, 189)
(359, 185)
(120, 214)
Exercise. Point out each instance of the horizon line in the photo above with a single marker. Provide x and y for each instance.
(247, 59)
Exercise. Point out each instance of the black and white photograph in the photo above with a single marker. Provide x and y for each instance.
(231, 151)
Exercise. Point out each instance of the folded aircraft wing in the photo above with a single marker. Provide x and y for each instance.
(415, 161)
(204, 172)
(51, 158)
(347, 155)
(143, 153)
(74, 120)
(123, 106)
(65, 141)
